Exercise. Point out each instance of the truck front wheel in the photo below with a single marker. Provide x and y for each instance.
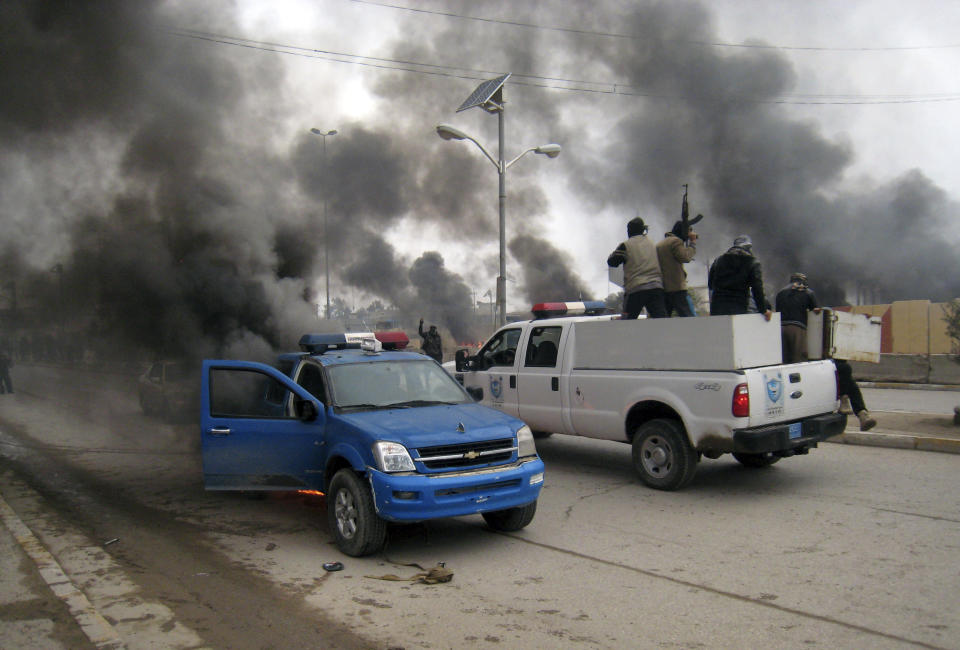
(663, 455)
(351, 516)
(511, 519)
(756, 460)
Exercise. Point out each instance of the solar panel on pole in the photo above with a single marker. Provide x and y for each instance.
(484, 92)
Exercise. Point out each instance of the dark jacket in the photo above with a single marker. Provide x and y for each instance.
(793, 303)
(733, 277)
(431, 345)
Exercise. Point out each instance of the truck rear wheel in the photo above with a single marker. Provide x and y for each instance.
(511, 519)
(663, 455)
(351, 516)
(756, 460)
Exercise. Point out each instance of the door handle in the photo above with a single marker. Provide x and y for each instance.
(554, 383)
(220, 431)
(513, 381)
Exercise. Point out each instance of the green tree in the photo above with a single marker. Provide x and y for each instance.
(951, 316)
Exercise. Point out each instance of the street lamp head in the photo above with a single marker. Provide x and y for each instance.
(549, 150)
(448, 132)
(317, 131)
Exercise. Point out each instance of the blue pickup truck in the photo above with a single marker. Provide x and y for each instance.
(385, 433)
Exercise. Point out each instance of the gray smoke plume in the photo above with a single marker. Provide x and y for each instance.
(148, 205)
(546, 271)
(704, 116)
(160, 240)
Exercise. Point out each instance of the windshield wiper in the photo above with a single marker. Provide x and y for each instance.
(362, 406)
(417, 402)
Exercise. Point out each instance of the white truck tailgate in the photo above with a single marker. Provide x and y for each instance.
(791, 392)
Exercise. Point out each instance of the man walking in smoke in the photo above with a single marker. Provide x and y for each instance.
(642, 279)
(6, 384)
(431, 345)
(734, 276)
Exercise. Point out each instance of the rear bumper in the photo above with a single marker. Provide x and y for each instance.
(415, 497)
(787, 437)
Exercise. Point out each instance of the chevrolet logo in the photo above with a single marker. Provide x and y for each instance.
(470, 455)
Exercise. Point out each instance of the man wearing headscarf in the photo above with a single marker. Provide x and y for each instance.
(794, 302)
(673, 252)
(733, 277)
(642, 280)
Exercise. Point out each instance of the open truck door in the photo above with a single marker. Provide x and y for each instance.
(246, 443)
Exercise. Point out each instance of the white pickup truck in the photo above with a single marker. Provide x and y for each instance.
(676, 389)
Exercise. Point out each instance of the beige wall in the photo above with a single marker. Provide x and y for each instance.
(916, 326)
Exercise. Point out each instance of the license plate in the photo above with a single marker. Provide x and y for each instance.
(796, 430)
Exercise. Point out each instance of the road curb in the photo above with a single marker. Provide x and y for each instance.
(907, 385)
(100, 632)
(898, 441)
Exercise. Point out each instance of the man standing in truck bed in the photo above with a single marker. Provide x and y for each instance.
(642, 280)
(733, 277)
(673, 252)
(793, 302)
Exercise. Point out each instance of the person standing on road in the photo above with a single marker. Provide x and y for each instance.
(431, 345)
(672, 253)
(642, 279)
(733, 277)
(794, 302)
(6, 384)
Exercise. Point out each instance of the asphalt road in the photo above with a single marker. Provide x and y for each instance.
(846, 547)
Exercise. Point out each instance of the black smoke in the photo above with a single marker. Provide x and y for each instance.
(148, 204)
(547, 271)
(684, 112)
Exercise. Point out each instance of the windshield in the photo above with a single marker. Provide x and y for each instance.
(393, 384)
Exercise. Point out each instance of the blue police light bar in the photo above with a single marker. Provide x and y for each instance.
(320, 343)
(556, 309)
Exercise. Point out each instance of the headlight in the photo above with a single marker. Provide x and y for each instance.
(525, 444)
(393, 457)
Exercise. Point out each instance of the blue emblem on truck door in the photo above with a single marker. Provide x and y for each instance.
(774, 388)
(773, 382)
(496, 387)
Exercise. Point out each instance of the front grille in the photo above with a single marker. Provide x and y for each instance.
(470, 454)
(486, 487)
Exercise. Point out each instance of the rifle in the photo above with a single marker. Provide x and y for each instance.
(685, 220)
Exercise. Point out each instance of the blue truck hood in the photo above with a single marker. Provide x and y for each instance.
(435, 425)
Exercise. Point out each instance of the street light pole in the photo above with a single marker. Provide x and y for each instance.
(326, 222)
(448, 132)
(502, 279)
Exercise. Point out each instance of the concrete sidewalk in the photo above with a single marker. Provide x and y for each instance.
(897, 430)
(39, 605)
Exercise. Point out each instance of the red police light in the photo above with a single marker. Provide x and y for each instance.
(392, 340)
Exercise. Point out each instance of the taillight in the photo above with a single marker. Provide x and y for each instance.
(741, 401)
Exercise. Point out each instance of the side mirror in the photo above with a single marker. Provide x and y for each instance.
(476, 393)
(462, 360)
(306, 410)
